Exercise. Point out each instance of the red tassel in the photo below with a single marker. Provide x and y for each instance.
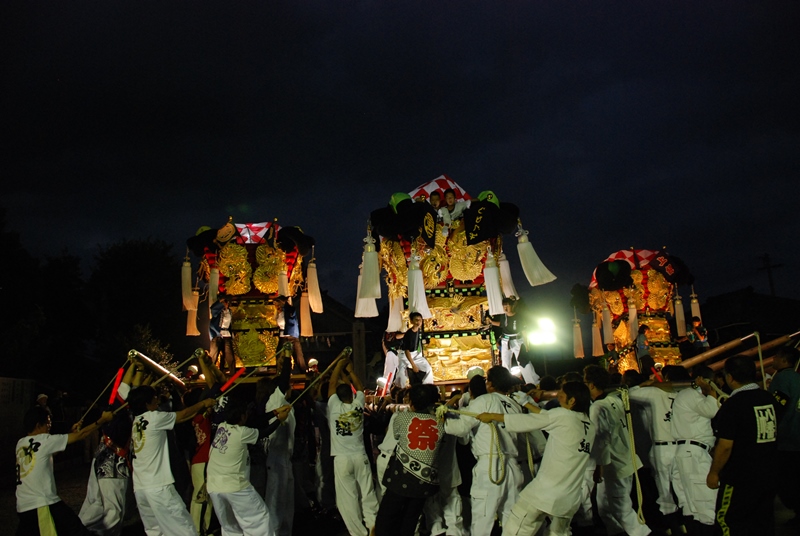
(233, 379)
(120, 373)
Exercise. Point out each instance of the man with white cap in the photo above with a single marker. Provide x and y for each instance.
(41, 400)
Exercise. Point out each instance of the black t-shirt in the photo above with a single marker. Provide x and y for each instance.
(749, 418)
(510, 326)
(412, 341)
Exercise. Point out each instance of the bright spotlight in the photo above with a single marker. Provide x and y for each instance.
(545, 324)
(539, 338)
(545, 334)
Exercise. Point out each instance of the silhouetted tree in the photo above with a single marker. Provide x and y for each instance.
(135, 289)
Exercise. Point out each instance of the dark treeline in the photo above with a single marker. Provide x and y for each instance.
(71, 331)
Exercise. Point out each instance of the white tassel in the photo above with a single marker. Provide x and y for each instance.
(191, 315)
(633, 320)
(186, 285)
(680, 316)
(395, 315)
(371, 273)
(695, 305)
(491, 279)
(314, 295)
(597, 340)
(213, 286)
(283, 284)
(417, 302)
(505, 278)
(365, 308)
(306, 330)
(534, 269)
(577, 337)
(608, 331)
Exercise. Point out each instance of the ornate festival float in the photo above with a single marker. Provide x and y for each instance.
(260, 268)
(444, 257)
(634, 288)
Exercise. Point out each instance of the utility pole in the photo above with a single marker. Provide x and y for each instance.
(768, 267)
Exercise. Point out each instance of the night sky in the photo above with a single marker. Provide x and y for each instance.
(611, 124)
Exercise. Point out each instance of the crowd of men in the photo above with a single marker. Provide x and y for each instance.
(699, 453)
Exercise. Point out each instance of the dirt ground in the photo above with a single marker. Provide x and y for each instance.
(71, 481)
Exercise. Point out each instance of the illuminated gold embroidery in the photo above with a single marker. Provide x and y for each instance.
(435, 266)
(270, 263)
(466, 262)
(233, 264)
(660, 291)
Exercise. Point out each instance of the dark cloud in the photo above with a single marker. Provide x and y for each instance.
(611, 124)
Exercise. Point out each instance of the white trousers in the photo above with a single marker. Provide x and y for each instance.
(103, 510)
(196, 507)
(390, 366)
(662, 458)
(616, 509)
(526, 520)
(509, 357)
(355, 496)
(443, 512)
(689, 480)
(490, 500)
(323, 472)
(422, 364)
(241, 513)
(583, 517)
(279, 496)
(509, 351)
(163, 512)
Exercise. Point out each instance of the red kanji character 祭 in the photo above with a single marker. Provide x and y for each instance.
(422, 434)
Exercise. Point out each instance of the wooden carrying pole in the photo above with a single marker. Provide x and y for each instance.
(235, 380)
(165, 373)
(343, 355)
(705, 356)
(752, 352)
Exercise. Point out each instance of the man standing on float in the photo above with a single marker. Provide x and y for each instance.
(513, 337)
(412, 349)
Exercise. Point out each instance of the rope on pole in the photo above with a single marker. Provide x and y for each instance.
(494, 443)
(626, 404)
